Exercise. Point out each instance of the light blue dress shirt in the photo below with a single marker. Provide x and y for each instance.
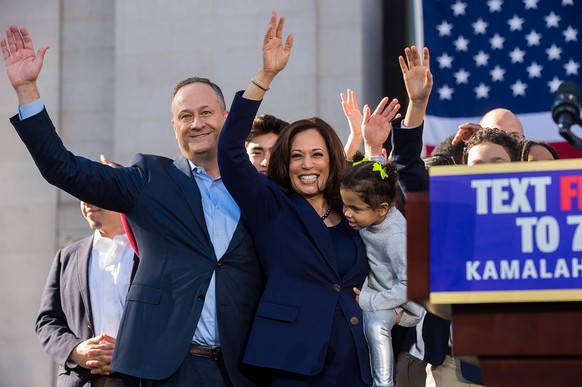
(221, 214)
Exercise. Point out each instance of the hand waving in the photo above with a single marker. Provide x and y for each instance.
(275, 58)
(275, 55)
(352, 112)
(416, 74)
(377, 126)
(22, 64)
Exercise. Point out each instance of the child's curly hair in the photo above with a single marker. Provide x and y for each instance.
(376, 183)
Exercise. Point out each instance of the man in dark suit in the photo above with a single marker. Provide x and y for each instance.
(83, 301)
(189, 308)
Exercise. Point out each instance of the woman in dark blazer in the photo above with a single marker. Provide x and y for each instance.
(308, 326)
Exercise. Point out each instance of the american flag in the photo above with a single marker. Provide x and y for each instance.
(500, 53)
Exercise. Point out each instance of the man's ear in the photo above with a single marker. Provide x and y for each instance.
(387, 157)
(174, 129)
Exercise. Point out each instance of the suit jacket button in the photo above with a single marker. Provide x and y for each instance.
(354, 321)
(336, 288)
(220, 265)
(201, 297)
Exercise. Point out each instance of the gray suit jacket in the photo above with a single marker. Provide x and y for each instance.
(64, 319)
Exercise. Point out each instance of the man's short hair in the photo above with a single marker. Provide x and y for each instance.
(265, 124)
(206, 81)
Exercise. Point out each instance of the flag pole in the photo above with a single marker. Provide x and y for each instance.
(417, 22)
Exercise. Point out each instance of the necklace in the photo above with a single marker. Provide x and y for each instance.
(326, 213)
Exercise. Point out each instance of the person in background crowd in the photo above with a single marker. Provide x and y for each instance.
(452, 151)
(505, 120)
(502, 119)
(536, 151)
(266, 128)
(491, 145)
(83, 301)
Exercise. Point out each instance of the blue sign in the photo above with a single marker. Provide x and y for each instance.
(506, 232)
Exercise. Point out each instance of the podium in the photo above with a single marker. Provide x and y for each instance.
(516, 344)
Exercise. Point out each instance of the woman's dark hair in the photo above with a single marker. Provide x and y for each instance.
(446, 148)
(431, 161)
(525, 147)
(495, 136)
(281, 155)
(376, 183)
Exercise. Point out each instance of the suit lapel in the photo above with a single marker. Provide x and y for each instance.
(317, 230)
(182, 174)
(238, 235)
(82, 259)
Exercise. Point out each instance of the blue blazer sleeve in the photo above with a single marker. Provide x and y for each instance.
(406, 151)
(112, 188)
(254, 193)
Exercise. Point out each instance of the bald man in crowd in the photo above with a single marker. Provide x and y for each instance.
(498, 118)
(505, 120)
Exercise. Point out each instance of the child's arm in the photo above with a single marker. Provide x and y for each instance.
(390, 275)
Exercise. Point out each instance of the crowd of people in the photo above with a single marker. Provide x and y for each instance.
(269, 252)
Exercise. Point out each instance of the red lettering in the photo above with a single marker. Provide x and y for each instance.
(570, 189)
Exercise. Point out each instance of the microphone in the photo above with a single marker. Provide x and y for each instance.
(566, 107)
(566, 111)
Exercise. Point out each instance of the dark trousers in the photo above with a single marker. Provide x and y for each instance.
(195, 371)
(411, 372)
(114, 380)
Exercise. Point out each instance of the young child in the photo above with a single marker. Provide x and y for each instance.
(368, 191)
